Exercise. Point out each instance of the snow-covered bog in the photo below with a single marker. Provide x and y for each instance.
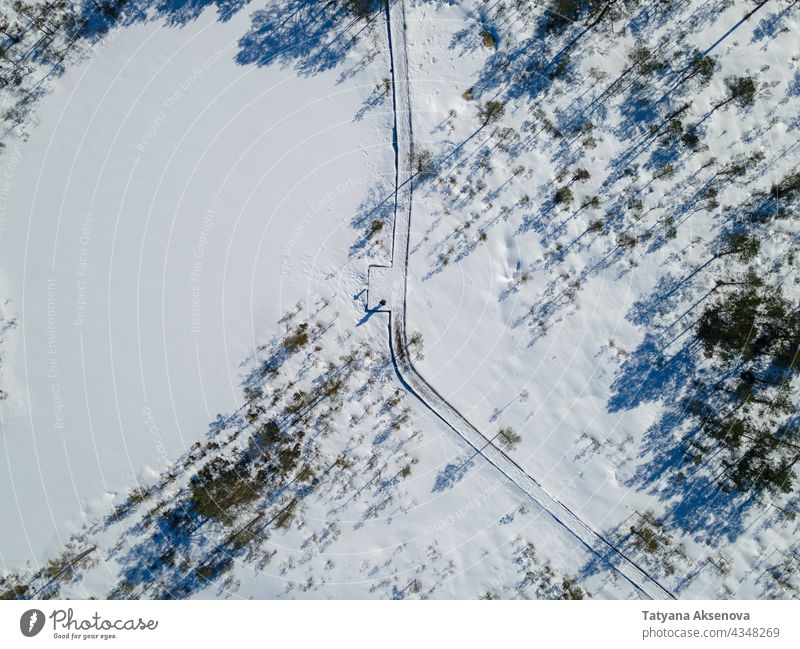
(196, 403)
(170, 205)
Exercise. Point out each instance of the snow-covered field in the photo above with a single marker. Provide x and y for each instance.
(169, 206)
(185, 233)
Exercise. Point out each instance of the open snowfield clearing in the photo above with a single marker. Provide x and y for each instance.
(168, 208)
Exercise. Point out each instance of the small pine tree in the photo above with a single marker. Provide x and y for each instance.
(362, 8)
(492, 111)
(741, 91)
(701, 67)
(508, 439)
(581, 175)
(563, 196)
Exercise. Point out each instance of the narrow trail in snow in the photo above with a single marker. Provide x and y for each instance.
(390, 282)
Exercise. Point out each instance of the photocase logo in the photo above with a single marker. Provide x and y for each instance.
(31, 622)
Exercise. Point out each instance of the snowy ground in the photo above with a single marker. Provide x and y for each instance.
(509, 338)
(191, 192)
(168, 208)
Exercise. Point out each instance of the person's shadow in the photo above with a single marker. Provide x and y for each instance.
(370, 312)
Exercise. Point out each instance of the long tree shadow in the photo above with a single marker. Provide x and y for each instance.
(701, 458)
(373, 221)
(308, 36)
(305, 35)
(655, 372)
(98, 17)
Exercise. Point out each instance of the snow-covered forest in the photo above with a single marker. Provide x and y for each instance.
(201, 396)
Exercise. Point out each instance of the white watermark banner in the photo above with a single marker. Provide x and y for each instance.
(400, 624)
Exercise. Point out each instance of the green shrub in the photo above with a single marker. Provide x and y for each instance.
(375, 228)
(362, 8)
(492, 111)
(507, 438)
(297, 339)
(563, 196)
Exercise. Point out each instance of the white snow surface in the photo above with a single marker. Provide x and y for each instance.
(171, 205)
(482, 353)
(167, 209)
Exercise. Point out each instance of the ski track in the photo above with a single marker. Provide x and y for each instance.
(390, 283)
